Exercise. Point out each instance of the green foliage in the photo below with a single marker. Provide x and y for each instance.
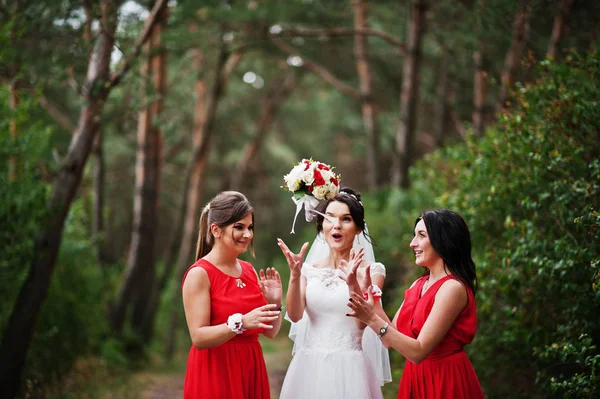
(72, 321)
(22, 200)
(529, 191)
(583, 359)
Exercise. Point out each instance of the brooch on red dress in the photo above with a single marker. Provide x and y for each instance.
(240, 283)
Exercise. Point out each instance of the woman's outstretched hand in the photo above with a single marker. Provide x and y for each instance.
(350, 270)
(259, 317)
(294, 261)
(270, 285)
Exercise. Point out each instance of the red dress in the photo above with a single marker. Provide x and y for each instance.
(235, 369)
(447, 371)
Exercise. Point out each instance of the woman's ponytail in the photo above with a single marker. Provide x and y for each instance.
(205, 239)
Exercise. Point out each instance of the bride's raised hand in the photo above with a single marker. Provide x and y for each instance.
(350, 270)
(364, 281)
(294, 261)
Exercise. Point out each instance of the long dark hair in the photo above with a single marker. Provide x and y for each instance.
(450, 238)
(351, 198)
(226, 208)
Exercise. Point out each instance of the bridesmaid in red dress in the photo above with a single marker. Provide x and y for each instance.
(227, 304)
(438, 317)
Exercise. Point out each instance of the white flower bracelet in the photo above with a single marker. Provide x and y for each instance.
(234, 322)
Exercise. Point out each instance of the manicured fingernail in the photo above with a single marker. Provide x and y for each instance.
(347, 314)
(350, 299)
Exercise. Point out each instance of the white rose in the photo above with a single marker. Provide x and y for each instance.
(295, 174)
(333, 190)
(327, 174)
(293, 185)
(320, 192)
(308, 177)
(297, 170)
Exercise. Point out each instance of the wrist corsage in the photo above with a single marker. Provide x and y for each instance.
(234, 322)
(375, 291)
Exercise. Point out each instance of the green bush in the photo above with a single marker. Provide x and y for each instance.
(22, 200)
(72, 321)
(529, 191)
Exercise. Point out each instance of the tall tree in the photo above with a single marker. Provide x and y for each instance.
(405, 133)
(140, 271)
(558, 29)
(13, 89)
(441, 99)
(268, 112)
(513, 56)
(97, 155)
(480, 76)
(205, 114)
(194, 181)
(368, 106)
(21, 324)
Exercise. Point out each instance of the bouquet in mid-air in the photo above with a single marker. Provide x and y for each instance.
(310, 182)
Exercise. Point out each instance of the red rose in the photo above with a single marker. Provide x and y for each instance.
(333, 180)
(307, 165)
(323, 166)
(319, 181)
(310, 189)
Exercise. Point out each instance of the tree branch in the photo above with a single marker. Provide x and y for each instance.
(153, 19)
(318, 69)
(344, 32)
(59, 116)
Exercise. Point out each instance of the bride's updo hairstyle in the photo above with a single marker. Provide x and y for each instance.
(351, 198)
(226, 208)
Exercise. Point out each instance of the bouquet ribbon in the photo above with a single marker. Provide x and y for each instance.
(309, 202)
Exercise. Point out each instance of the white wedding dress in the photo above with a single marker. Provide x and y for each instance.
(329, 361)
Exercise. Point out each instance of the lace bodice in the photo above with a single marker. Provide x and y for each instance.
(330, 330)
(338, 359)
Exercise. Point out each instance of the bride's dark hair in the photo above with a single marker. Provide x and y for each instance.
(351, 198)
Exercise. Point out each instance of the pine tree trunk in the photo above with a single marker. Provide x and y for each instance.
(441, 102)
(13, 104)
(513, 57)
(269, 108)
(140, 272)
(368, 107)
(19, 330)
(98, 216)
(558, 29)
(409, 98)
(13, 95)
(203, 130)
(479, 81)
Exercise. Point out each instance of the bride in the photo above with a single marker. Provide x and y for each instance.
(332, 358)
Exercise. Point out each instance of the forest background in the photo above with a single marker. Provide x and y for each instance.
(120, 120)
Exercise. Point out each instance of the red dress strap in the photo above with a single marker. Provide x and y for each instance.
(206, 265)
